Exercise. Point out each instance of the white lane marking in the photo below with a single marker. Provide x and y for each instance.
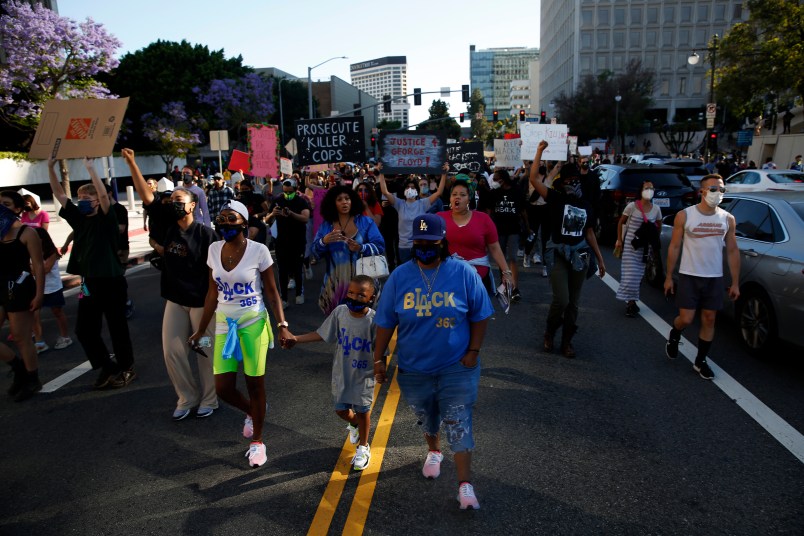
(789, 437)
(84, 367)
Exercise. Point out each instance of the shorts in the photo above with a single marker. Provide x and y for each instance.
(509, 244)
(54, 299)
(354, 407)
(254, 341)
(695, 292)
(447, 396)
(14, 297)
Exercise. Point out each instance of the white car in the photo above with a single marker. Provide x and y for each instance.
(760, 180)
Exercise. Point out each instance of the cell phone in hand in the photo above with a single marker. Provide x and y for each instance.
(199, 345)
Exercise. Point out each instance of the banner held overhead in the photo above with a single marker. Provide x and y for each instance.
(402, 151)
(328, 140)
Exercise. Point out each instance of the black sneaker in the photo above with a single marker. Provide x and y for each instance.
(671, 348)
(703, 370)
(630, 311)
(28, 389)
(104, 378)
(516, 296)
(122, 379)
(129, 309)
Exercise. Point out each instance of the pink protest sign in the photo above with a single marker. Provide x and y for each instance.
(262, 142)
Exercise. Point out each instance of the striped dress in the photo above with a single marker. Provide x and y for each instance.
(632, 266)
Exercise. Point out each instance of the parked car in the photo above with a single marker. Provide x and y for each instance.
(638, 158)
(621, 184)
(758, 180)
(770, 235)
(693, 168)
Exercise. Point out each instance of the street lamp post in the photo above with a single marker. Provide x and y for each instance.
(693, 60)
(310, 83)
(617, 100)
(281, 112)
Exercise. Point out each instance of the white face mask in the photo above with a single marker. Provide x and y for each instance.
(494, 185)
(647, 194)
(411, 193)
(713, 199)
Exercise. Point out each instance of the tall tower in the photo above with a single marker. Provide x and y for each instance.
(492, 71)
(384, 76)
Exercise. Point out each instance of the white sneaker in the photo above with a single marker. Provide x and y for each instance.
(520, 252)
(256, 454)
(537, 259)
(544, 271)
(41, 346)
(62, 343)
(300, 300)
(526, 261)
(284, 304)
(248, 428)
(354, 434)
(432, 465)
(361, 458)
(292, 284)
(308, 272)
(466, 496)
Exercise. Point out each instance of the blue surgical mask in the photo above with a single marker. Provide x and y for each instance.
(7, 219)
(354, 305)
(85, 206)
(426, 253)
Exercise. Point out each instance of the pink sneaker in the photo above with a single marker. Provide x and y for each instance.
(248, 428)
(432, 465)
(256, 455)
(466, 496)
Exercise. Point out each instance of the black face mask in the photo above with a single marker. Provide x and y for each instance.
(356, 306)
(426, 253)
(179, 209)
(585, 165)
(187, 178)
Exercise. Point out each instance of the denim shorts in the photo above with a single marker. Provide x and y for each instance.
(445, 397)
(353, 407)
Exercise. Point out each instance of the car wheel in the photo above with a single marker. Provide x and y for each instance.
(654, 271)
(756, 320)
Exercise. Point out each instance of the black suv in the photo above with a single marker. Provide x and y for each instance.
(621, 184)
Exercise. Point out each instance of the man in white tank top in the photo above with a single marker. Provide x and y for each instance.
(703, 229)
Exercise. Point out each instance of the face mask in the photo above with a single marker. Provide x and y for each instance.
(85, 206)
(713, 199)
(425, 189)
(585, 165)
(647, 194)
(354, 305)
(7, 219)
(410, 193)
(426, 254)
(494, 185)
(27, 208)
(289, 195)
(179, 210)
(230, 232)
(187, 178)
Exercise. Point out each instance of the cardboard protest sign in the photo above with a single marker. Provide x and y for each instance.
(319, 168)
(506, 154)
(585, 150)
(402, 151)
(333, 139)
(573, 144)
(262, 142)
(77, 128)
(465, 155)
(286, 166)
(238, 161)
(555, 135)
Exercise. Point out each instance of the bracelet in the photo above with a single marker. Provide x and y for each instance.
(323, 244)
(508, 272)
(477, 350)
(379, 361)
(282, 324)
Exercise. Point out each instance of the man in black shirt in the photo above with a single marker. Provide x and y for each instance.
(291, 212)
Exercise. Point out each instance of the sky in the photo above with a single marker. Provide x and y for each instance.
(435, 35)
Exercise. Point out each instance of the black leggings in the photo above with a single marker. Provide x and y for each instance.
(290, 258)
(538, 221)
(107, 298)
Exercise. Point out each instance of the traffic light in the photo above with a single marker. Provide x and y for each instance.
(373, 140)
(713, 138)
(521, 115)
(417, 96)
(386, 104)
(465, 93)
(461, 116)
(544, 117)
(495, 114)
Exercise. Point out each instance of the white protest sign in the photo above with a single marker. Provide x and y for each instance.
(554, 135)
(585, 150)
(286, 166)
(573, 144)
(506, 153)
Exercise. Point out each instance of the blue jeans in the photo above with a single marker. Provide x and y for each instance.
(446, 396)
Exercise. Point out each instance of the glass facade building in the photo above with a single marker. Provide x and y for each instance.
(492, 71)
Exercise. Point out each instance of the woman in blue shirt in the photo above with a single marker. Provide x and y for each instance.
(440, 308)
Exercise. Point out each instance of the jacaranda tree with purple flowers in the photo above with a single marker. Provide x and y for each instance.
(173, 132)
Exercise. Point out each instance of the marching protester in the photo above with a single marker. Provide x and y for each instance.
(32, 213)
(440, 310)
(508, 214)
(569, 250)
(23, 273)
(635, 215)
(103, 286)
(290, 211)
(53, 296)
(240, 274)
(351, 328)
(184, 282)
(218, 195)
(699, 233)
(201, 209)
(345, 234)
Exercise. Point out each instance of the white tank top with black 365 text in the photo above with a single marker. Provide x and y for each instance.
(704, 234)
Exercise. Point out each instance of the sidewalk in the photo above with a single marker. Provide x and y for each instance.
(59, 229)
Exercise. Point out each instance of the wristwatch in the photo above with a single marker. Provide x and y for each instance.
(282, 324)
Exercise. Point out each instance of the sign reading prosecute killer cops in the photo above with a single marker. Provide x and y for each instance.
(402, 151)
(334, 139)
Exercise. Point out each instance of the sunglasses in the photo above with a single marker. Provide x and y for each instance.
(226, 218)
(714, 189)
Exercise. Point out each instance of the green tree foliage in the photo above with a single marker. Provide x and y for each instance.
(763, 57)
(165, 72)
(590, 111)
(387, 124)
(440, 120)
(480, 127)
(294, 105)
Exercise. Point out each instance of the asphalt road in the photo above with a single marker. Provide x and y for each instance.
(620, 440)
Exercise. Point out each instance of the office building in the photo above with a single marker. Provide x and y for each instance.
(385, 76)
(340, 98)
(524, 94)
(492, 71)
(588, 37)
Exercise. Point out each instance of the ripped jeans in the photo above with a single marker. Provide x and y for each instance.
(445, 397)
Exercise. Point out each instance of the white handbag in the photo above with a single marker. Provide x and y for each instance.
(374, 265)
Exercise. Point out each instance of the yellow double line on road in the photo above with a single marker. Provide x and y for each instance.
(356, 519)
